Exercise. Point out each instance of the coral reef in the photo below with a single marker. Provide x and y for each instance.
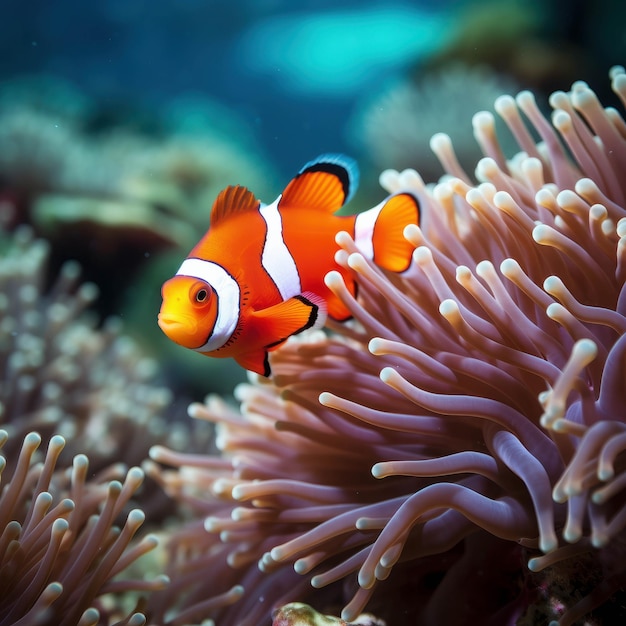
(60, 547)
(65, 375)
(87, 394)
(464, 436)
(111, 192)
(63, 156)
(123, 193)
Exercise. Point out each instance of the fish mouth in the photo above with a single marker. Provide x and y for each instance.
(181, 330)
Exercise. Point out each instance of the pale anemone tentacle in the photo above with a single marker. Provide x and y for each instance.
(64, 552)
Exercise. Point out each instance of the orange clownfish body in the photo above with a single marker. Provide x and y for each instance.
(257, 276)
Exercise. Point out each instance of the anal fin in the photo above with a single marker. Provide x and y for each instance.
(255, 361)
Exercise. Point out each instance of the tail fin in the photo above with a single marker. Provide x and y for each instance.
(379, 231)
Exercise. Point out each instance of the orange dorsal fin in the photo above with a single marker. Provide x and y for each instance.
(233, 200)
(325, 184)
(391, 250)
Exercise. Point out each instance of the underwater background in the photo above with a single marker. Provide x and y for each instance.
(120, 121)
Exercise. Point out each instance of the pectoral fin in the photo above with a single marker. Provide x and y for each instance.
(278, 322)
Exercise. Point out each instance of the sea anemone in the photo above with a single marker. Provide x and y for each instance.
(298, 614)
(87, 394)
(464, 437)
(60, 547)
(63, 372)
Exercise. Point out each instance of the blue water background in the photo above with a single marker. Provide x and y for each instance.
(294, 87)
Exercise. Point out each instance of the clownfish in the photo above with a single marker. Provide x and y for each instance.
(257, 276)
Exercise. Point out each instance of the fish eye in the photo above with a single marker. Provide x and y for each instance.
(201, 295)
